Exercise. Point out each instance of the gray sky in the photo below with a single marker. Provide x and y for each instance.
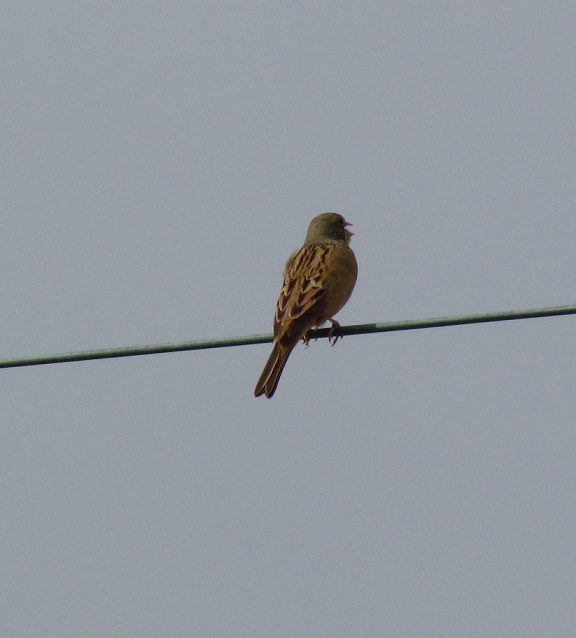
(160, 162)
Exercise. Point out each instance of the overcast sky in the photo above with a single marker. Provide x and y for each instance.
(160, 161)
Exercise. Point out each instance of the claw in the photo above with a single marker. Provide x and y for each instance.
(332, 338)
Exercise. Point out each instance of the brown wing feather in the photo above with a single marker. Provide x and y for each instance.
(302, 298)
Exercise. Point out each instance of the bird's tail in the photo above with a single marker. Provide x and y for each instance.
(270, 376)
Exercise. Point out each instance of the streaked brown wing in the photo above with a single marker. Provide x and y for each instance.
(302, 298)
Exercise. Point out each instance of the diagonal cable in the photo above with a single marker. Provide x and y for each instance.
(366, 328)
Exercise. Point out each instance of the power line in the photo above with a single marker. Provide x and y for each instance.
(366, 328)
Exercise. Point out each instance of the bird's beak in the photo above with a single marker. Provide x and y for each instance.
(350, 233)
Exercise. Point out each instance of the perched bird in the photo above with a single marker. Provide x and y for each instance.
(318, 281)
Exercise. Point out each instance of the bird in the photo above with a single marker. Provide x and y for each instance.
(318, 280)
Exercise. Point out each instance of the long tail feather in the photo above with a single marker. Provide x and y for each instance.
(268, 381)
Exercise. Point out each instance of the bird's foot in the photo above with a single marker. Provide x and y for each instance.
(332, 338)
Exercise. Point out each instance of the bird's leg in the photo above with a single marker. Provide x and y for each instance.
(332, 338)
(306, 339)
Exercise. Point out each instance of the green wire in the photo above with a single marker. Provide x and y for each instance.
(366, 328)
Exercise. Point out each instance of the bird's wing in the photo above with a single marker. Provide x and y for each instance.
(302, 298)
